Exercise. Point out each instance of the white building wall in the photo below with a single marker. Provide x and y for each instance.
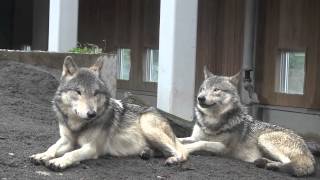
(63, 25)
(177, 57)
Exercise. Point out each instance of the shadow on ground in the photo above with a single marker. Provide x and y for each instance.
(28, 126)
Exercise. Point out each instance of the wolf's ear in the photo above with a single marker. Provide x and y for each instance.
(69, 67)
(97, 66)
(235, 79)
(207, 73)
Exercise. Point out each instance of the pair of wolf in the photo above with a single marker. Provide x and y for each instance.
(93, 124)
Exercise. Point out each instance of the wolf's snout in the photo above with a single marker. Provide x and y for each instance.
(201, 99)
(91, 114)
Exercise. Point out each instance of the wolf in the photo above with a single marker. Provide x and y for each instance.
(92, 124)
(224, 127)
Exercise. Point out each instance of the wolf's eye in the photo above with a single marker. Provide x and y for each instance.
(215, 89)
(95, 93)
(78, 91)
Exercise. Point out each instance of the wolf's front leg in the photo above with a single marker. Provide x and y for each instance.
(87, 151)
(62, 146)
(214, 147)
(187, 140)
(196, 135)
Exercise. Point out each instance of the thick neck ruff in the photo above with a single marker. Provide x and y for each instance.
(224, 119)
(65, 117)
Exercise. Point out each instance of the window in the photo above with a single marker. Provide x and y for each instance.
(290, 73)
(124, 64)
(151, 62)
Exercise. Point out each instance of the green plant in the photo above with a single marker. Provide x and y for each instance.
(86, 48)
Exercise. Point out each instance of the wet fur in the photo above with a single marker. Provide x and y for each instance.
(119, 128)
(225, 128)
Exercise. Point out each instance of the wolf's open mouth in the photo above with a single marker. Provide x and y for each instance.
(204, 105)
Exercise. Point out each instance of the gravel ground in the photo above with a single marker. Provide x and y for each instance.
(28, 126)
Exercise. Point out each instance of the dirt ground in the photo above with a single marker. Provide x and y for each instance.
(28, 126)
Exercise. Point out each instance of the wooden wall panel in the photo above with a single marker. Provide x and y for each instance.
(115, 22)
(316, 99)
(122, 24)
(288, 24)
(265, 46)
(151, 23)
(40, 28)
(97, 22)
(22, 23)
(6, 25)
(219, 37)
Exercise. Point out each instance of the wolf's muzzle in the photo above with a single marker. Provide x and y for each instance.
(91, 114)
(202, 102)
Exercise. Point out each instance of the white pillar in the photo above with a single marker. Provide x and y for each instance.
(177, 57)
(63, 25)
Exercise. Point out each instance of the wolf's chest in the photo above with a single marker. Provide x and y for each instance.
(75, 124)
(206, 134)
(208, 121)
(225, 138)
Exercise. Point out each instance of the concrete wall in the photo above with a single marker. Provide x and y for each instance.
(303, 121)
(55, 60)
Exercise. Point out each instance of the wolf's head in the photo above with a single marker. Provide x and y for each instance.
(81, 93)
(218, 94)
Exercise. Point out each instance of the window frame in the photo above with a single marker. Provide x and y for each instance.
(119, 66)
(147, 64)
(278, 85)
(143, 32)
(265, 87)
(136, 81)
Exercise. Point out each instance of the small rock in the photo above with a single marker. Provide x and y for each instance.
(85, 167)
(186, 167)
(11, 154)
(43, 173)
(161, 177)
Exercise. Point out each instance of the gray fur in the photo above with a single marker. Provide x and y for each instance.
(223, 126)
(98, 124)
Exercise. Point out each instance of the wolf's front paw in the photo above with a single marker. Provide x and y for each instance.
(172, 160)
(58, 164)
(40, 158)
(261, 163)
(146, 154)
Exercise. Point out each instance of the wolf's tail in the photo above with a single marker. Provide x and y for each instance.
(301, 165)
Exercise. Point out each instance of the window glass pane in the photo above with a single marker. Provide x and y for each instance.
(124, 64)
(151, 65)
(291, 73)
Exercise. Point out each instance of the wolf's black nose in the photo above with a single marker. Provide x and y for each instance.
(91, 114)
(201, 99)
